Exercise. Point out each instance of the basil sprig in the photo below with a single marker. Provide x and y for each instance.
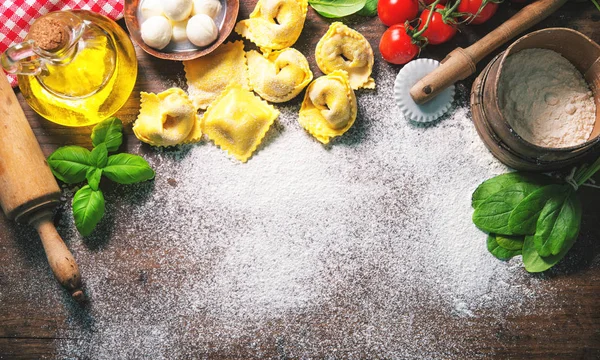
(340, 8)
(531, 215)
(75, 164)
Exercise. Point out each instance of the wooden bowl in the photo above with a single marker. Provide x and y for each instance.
(133, 25)
(494, 129)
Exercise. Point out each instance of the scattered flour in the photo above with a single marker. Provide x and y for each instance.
(546, 99)
(361, 249)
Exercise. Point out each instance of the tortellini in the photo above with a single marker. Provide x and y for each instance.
(342, 48)
(166, 119)
(280, 75)
(329, 106)
(274, 24)
(237, 121)
(209, 75)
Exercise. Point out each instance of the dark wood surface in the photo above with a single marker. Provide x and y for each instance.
(571, 330)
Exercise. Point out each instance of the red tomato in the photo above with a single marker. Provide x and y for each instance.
(396, 46)
(438, 31)
(429, 2)
(397, 11)
(472, 7)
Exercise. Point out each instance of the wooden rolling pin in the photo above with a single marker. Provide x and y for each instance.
(28, 190)
(460, 63)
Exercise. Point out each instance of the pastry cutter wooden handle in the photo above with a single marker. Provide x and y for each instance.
(460, 63)
(28, 190)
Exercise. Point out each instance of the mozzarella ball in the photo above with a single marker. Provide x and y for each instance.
(177, 10)
(202, 30)
(211, 8)
(179, 31)
(151, 8)
(156, 32)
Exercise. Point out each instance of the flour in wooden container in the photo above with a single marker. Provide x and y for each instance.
(545, 99)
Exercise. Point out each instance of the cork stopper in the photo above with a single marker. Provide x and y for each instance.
(49, 34)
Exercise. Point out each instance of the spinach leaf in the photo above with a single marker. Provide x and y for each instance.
(493, 213)
(109, 132)
(535, 263)
(93, 177)
(88, 209)
(99, 156)
(337, 8)
(370, 8)
(498, 251)
(70, 163)
(500, 182)
(523, 219)
(127, 169)
(558, 224)
(510, 242)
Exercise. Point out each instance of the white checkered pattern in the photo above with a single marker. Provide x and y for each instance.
(17, 15)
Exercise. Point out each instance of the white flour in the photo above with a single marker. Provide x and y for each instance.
(546, 99)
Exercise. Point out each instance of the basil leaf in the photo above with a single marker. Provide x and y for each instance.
(128, 169)
(498, 251)
(93, 177)
(70, 163)
(99, 156)
(109, 132)
(370, 8)
(523, 219)
(558, 224)
(510, 242)
(337, 8)
(88, 209)
(535, 263)
(493, 214)
(500, 182)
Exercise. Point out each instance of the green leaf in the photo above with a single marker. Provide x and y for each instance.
(93, 177)
(558, 224)
(510, 242)
(337, 8)
(493, 213)
(500, 182)
(523, 219)
(128, 169)
(370, 8)
(498, 251)
(88, 209)
(109, 132)
(535, 263)
(70, 163)
(99, 156)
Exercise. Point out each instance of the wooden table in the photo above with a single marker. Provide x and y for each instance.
(29, 327)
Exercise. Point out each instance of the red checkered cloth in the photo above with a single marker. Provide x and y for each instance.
(17, 15)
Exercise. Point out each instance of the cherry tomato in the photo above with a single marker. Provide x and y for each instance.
(438, 31)
(472, 7)
(397, 11)
(396, 46)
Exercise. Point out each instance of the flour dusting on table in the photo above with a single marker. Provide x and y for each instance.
(354, 250)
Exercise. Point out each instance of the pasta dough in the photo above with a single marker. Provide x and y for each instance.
(280, 75)
(329, 106)
(166, 119)
(342, 48)
(237, 121)
(274, 24)
(209, 75)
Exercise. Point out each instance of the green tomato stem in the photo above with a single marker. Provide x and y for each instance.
(431, 11)
(597, 5)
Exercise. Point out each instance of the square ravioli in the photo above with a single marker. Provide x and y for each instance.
(238, 120)
(209, 75)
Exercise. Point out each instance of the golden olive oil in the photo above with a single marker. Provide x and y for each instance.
(94, 84)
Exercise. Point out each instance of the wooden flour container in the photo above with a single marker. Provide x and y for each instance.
(496, 132)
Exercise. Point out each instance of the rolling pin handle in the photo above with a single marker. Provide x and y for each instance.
(60, 259)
